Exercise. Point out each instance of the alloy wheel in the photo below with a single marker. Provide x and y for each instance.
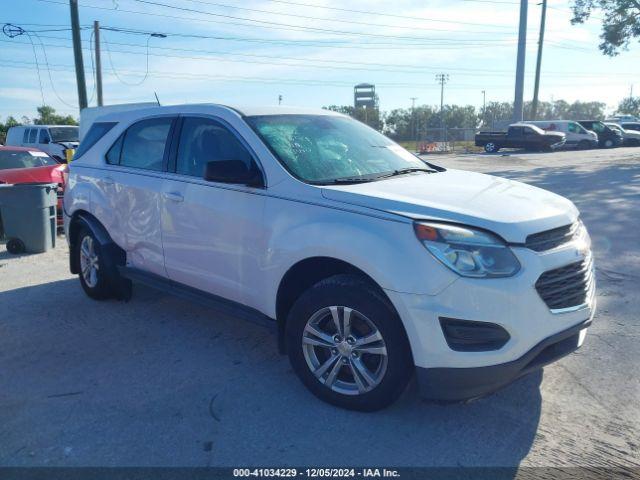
(344, 350)
(89, 264)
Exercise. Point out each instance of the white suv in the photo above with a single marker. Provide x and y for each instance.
(370, 263)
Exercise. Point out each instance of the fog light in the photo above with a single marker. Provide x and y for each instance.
(472, 336)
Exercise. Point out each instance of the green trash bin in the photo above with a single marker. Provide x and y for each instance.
(28, 216)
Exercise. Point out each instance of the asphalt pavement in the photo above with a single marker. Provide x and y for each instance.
(161, 382)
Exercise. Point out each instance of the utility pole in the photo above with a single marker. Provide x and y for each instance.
(96, 38)
(522, 46)
(414, 129)
(442, 78)
(484, 107)
(77, 54)
(536, 87)
(279, 99)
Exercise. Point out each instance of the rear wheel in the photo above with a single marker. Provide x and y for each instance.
(491, 147)
(347, 344)
(92, 266)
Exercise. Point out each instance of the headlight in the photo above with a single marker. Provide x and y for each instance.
(467, 251)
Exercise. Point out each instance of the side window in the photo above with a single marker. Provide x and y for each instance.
(144, 144)
(113, 155)
(204, 140)
(528, 131)
(25, 136)
(95, 133)
(573, 128)
(44, 136)
(33, 134)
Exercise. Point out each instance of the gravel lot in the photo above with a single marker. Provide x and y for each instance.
(160, 382)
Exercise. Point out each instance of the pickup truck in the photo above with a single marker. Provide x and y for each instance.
(520, 135)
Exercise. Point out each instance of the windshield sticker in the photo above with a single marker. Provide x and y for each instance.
(38, 154)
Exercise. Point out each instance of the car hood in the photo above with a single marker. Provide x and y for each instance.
(47, 174)
(511, 209)
(558, 135)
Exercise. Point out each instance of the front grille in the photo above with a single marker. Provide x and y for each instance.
(549, 239)
(568, 286)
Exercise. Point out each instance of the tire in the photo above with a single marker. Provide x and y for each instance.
(15, 246)
(491, 147)
(608, 143)
(94, 281)
(337, 356)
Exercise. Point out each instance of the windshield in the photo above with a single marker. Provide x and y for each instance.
(323, 148)
(64, 134)
(19, 159)
(537, 129)
(615, 127)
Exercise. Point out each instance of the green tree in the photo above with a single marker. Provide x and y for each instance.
(621, 22)
(4, 127)
(48, 116)
(630, 106)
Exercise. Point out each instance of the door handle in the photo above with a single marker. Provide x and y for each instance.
(173, 196)
(108, 181)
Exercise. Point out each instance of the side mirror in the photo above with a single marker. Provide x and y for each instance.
(233, 171)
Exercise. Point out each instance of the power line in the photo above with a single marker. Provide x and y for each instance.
(349, 10)
(261, 23)
(328, 64)
(279, 24)
(410, 69)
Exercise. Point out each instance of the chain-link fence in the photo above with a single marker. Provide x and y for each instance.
(441, 140)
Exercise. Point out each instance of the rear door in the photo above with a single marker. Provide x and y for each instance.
(212, 232)
(132, 186)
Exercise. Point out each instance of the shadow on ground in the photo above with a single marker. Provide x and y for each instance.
(158, 381)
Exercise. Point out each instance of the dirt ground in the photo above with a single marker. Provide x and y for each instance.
(160, 382)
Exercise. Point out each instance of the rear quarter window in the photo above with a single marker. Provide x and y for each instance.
(95, 133)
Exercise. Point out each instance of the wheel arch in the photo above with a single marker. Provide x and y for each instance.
(303, 275)
(83, 219)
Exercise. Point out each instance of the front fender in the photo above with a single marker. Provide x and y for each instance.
(386, 250)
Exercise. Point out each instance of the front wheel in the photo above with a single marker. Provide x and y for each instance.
(608, 143)
(347, 344)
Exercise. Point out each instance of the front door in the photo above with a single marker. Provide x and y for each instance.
(212, 232)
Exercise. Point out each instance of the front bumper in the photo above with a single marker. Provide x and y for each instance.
(457, 384)
(513, 304)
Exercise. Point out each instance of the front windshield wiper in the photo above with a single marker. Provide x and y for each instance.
(403, 171)
(352, 180)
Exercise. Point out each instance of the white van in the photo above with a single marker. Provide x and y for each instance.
(577, 135)
(55, 140)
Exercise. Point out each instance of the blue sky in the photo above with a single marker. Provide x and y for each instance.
(309, 51)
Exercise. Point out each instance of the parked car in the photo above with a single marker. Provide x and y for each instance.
(59, 141)
(607, 137)
(370, 263)
(630, 126)
(30, 165)
(520, 135)
(622, 118)
(630, 138)
(577, 135)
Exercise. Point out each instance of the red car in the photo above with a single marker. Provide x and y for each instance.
(30, 165)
